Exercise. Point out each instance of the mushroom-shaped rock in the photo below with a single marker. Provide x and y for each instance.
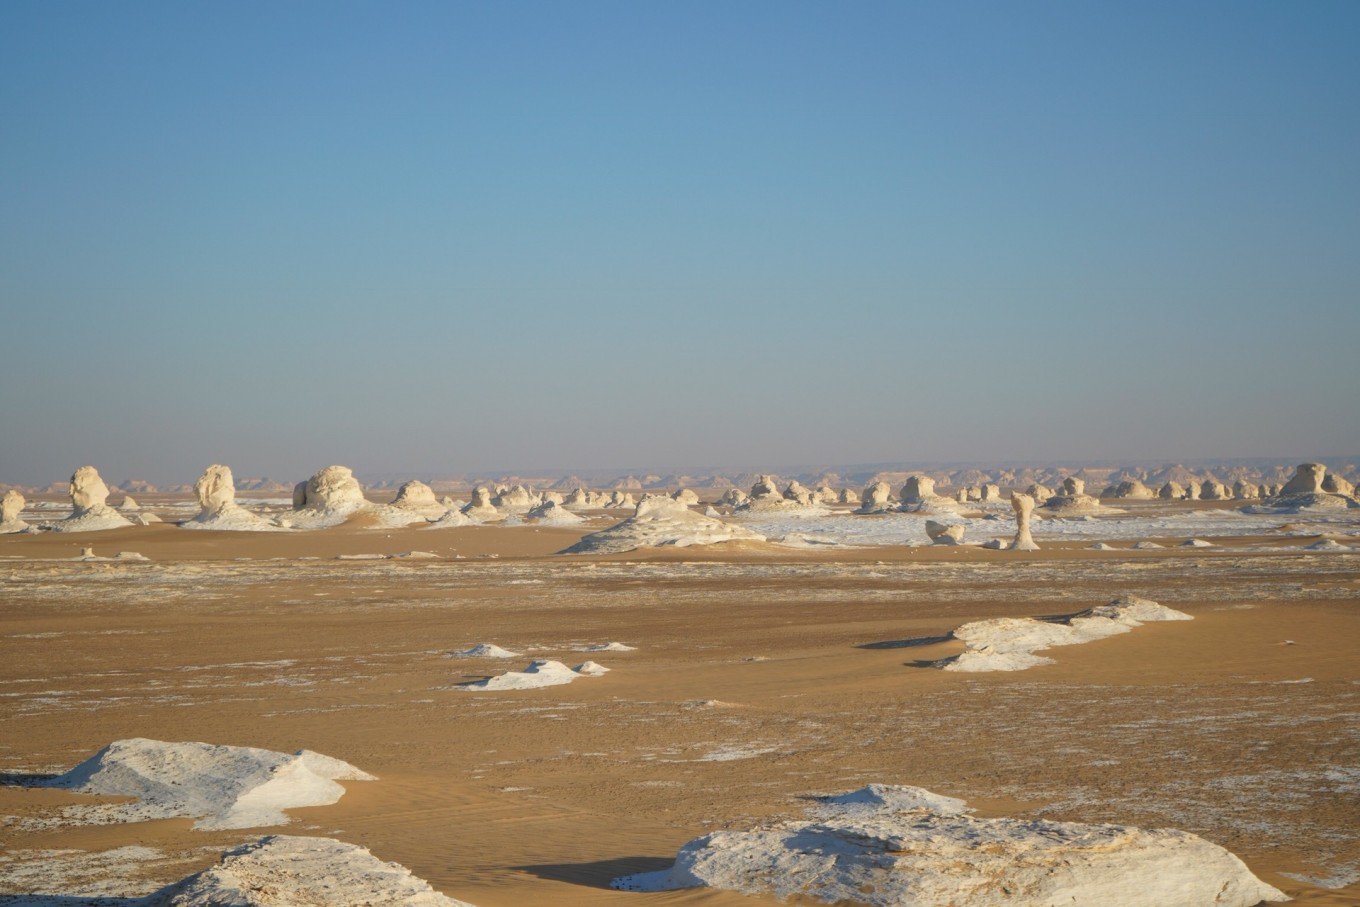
(420, 499)
(944, 533)
(90, 510)
(1023, 505)
(11, 505)
(328, 498)
(217, 507)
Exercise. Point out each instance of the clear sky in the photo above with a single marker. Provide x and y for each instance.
(440, 236)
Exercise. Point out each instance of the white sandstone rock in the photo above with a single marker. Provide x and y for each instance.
(129, 504)
(1305, 492)
(908, 847)
(918, 496)
(516, 499)
(1133, 490)
(290, 871)
(328, 498)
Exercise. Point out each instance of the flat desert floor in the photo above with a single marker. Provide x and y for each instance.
(760, 675)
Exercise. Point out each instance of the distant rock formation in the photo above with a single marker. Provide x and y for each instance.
(1023, 505)
(661, 521)
(765, 487)
(685, 496)
(128, 505)
(918, 496)
(216, 492)
(332, 497)
(733, 497)
(876, 498)
(577, 499)
(619, 500)
(551, 513)
(11, 505)
(516, 499)
(1334, 484)
(989, 491)
(90, 511)
(1245, 491)
(1132, 490)
(1172, 491)
(800, 494)
(849, 496)
(1072, 499)
(480, 509)
(1304, 492)
(1039, 492)
(420, 499)
(1213, 490)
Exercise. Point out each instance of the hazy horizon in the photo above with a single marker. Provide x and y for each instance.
(439, 237)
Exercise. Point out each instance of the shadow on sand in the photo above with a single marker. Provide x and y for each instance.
(598, 874)
(906, 643)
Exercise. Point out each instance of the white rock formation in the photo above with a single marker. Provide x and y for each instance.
(90, 510)
(1133, 490)
(766, 486)
(540, 673)
(1039, 492)
(1023, 505)
(944, 533)
(480, 509)
(420, 499)
(620, 500)
(550, 513)
(516, 499)
(1072, 499)
(685, 496)
(825, 494)
(1305, 492)
(1246, 491)
(1213, 490)
(453, 518)
(906, 847)
(1009, 643)
(876, 498)
(485, 650)
(849, 496)
(328, 498)
(918, 496)
(660, 521)
(289, 871)
(578, 499)
(220, 786)
(989, 491)
(1334, 484)
(1172, 491)
(129, 504)
(1192, 491)
(217, 507)
(11, 505)
(798, 493)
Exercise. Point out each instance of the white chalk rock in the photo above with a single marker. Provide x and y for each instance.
(1334, 484)
(129, 504)
(912, 850)
(944, 533)
(685, 496)
(1192, 490)
(420, 499)
(516, 499)
(90, 510)
(328, 498)
(733, 497)
(766, 486)
(550, 513)
(918, 496)
(660, 521)
(289, 871)
(540, 673)
(620, 500)
(876, 498)
(1246, 491)
(485, 650)
(453, 518)
(849, 496)
(1039, 492)
(480, 509)
(1133, 490)
(825, 494)
(579, 498)
(989, 491)
(1072, 499)
(11, 505)
(1172, 491)
(216, 492)
(1305, 492)
(220, 786)
(798, 493)
(1023, 505)
(1213, 490)
(1009, 643)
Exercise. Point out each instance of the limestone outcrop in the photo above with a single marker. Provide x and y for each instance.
(944, 533)
(333, 496)
(876, 498)
(551, 513)
(891, 846)
(659, 521)
(1023, 505)
(420, 499)
(1305, 492)
(1072, 499)
(480, 509)
(11, 505)
(1133, 490)
(217, 507)
(90, 510)
(1172, 491)
(685, 496)
(918, 496)
(516, 499)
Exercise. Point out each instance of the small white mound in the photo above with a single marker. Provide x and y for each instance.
(95, 519)
(906, 847)
(608, 647)
(1327, 545)
(288, 871)
(221, 786)
(1101, 546)
(590, 669)
(551, 513)
(1009, 643)
(890, 797)
(1196, 543)
(539, 673)
(230, 517)
(485, 650)
(452, 519)
(661, 521)
(1146, 546)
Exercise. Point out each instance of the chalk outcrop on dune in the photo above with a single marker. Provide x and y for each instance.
(420, 499)
(11, 505)
(876, 498)
(453, 518)
(328, 498)
(1009, 643)
(550, 513)
(480, 509)
(1072, 499)
(485, 650)
(540, 673)
(90, 510)
(516, 499)
(217, 507)
(918, 496)
(1023, 505)
(1305, 492)
(129, 504)
(290, 871)
(660, 521)
(887, 846)
(220, 786)
(944, 533)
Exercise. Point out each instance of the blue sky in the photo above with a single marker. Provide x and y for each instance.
(439, 237)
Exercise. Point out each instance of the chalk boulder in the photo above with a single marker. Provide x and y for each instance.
(849, 496)
(1133, 490)
(11, 505)
(876, 498)
(328, 498)
(918, 496)
(419, 499)
(944, 533)
(1334, 484)
(129, 504)
(480, 509)
(1305, 492)
(765, 486)
(685, 496)
(890, 846)
(516, 499)
(551, 513)
(660, 521)
(1072, 499)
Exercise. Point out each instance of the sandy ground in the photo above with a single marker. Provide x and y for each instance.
(761, 675)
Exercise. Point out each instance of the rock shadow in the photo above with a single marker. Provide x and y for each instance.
(600, 873)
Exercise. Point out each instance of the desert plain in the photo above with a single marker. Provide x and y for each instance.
(756, 675)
